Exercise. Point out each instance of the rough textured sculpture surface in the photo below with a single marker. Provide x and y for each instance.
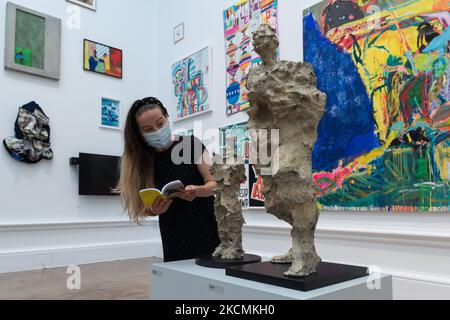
(229, 172)
(284, 96)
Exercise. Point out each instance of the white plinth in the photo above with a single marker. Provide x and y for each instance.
(184, 280)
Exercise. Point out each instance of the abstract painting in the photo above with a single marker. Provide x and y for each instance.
(191, 79)
(90, 4)
(102, 59)
(33, 42)
(251, 192)
(240, 21)
(384, 142)
(110, 114)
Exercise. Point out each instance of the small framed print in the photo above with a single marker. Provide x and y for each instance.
(110, 117)
(178, 33)
(90, 4)
(103, 59)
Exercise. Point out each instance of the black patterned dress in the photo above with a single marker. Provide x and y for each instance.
(188, 229)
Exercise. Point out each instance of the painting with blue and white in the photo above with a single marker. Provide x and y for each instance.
(110, 114)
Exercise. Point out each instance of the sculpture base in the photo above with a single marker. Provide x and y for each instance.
(209, 261)
(327, 274)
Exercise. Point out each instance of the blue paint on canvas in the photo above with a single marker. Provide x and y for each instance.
(347, 129)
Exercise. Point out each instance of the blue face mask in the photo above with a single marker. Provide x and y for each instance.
(159, 139)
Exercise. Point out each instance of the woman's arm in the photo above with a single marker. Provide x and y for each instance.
(205, 191)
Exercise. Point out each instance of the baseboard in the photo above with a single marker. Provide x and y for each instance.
(27, 247)
(63, 257)
(416, 259)
(401, 253)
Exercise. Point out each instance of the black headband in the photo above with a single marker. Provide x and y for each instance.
(139, 104)
(149, 101)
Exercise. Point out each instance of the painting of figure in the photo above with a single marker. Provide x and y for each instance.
(103, 59)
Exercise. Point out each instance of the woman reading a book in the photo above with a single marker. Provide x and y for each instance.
(153, 158)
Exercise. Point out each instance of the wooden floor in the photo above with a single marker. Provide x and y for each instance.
(122, 280)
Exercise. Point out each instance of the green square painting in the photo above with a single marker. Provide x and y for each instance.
(30, 40)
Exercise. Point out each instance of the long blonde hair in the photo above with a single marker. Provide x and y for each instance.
(137, 163)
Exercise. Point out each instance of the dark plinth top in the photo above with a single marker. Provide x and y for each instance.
(218, 263)
(327, 274)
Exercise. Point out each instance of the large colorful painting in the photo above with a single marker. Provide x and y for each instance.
(240, 22)
(251, 194)
(191, 79)
(102, 59)
(384, 140)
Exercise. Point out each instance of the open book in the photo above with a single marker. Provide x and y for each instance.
(149, 196)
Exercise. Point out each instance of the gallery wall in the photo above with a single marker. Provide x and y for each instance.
(49, 190)
(411, 246)
(43, 221)
(41, 213)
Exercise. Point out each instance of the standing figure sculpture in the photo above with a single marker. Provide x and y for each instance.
(283, 95)
(229, 172)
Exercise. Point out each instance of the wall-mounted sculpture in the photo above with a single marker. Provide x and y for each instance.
(283, 95)
(31, 143)
(229, 172)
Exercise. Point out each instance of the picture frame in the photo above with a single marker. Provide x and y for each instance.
(251, 195)
(110, 113)
(102, 59)
(32, 42)
(192, 92)
(90, 4)
(241, 20)
(178, 33)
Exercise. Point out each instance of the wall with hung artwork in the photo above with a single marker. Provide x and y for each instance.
(412, 242)
(43, 221)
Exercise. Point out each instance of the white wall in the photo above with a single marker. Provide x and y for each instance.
(44, 222)
(49, 190)
(413, 247)
(204, 27)
(45, 195)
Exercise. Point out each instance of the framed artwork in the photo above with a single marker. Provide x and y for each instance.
(240, 21)
(33, 42)
(103, 59)
(242, 139)
(251, 194)
(186, 132)
(192, 84)
(256, 188)
(90, 4)
(111, 117)
(384, 141)
(178, 33)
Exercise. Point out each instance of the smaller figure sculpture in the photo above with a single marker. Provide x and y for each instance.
(229, 172)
